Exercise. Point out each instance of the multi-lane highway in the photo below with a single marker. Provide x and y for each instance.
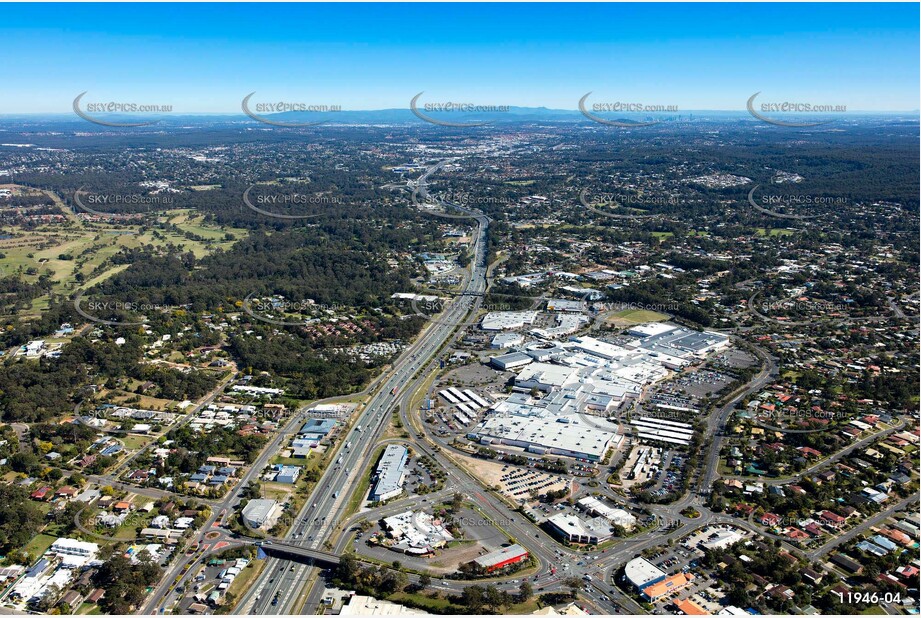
(277, 586)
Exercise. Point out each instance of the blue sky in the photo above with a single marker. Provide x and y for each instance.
(206, 57)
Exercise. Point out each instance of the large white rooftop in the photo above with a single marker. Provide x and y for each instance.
(259, 511)
(390, 472)
(547, 375)
(417, 532)
(617, 516)
(507, 320)
(575, 526)
(650, 329)
(563, 435)
(640, 572)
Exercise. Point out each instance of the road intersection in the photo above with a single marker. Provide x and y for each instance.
(326, 518)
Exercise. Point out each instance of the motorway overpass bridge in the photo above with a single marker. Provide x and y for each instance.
(297, 553)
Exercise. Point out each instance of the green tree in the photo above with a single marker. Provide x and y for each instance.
(473, 598)
(525, 591)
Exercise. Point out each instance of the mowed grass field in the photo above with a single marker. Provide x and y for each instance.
(776, 231)
(77, 255)
(629, 317)
(39, 544)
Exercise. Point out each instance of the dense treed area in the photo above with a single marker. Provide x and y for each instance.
(125, 583)
(40, 390)
(191, 448)
(17, 294)
(20, 518)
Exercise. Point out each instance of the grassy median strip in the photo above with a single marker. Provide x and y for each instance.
(361, 489)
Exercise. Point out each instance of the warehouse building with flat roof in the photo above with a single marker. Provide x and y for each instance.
(559, 304)
(319, 427)
(508, 320)
(261, 514)
(502, 557)
(546, 377)
(678, 341)
(569, 436)
(574, 529)
(509, 361)
(390, 473)
(288, 474)
(619, 517)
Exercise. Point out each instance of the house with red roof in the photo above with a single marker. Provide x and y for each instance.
(896, 536)
(796, 534)
(890, 579)
(744, 509)
(813, 529)
(851, 432)
(43, 493)
(846, 470)
(831, 520)
(908, 572)
(67, 492)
